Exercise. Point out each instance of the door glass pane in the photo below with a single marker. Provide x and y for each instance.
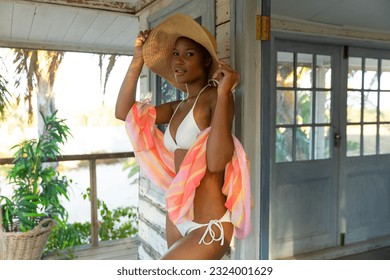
(322, 141)
(385, 75)
(323, 72)
(354, 101)
(371, 74)
(384, 138)
(370, 106)
(304, 70)
(355, 73)
(304, 107)
(384, 106)
(353, 140)
(354, 106)
(285, 69)
(369, 138)
(303, 143)
(285, 107)
(323, 104)
(284, 144)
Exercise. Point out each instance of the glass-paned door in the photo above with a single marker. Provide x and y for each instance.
(305, 154)
(330, 170)
(365, 163)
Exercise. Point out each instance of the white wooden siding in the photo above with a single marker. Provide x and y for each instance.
(222, 11)
(223, 29)
(223, 40)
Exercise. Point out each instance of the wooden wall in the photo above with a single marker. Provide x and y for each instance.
(151, 199)
(222, 22)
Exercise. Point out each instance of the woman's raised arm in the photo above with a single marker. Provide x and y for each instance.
(127, 92)
(220, 144)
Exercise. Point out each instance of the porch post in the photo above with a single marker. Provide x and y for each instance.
(264, 139)
(247, 60)
(94, 204)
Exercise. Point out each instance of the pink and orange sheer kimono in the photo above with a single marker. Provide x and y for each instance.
(157, 163)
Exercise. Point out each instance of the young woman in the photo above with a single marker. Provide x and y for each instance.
(206, 184)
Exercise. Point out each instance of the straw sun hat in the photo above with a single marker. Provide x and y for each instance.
(157, 51)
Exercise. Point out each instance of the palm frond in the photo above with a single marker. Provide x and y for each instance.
(29, 65)
(4, 97)
(110, 66)
(55, 59)
(32, 71)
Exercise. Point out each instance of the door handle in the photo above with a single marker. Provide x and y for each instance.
(336, 139)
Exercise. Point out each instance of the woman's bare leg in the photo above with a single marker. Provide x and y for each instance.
(188, 247)
(172, 233)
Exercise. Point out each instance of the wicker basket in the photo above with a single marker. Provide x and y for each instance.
(25, 245)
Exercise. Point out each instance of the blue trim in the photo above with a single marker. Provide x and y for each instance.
(265, 139)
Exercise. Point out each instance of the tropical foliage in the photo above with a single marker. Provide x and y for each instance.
(38, 187)
(114, 224)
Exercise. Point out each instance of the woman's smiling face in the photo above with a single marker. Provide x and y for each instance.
(188, 61)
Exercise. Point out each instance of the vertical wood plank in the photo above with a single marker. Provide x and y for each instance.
(94, 204)
(223, 40)
(222, 11)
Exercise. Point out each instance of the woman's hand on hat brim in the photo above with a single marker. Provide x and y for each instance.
(140, 41)
(227, 78)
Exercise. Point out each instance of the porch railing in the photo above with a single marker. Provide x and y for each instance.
(91, 158)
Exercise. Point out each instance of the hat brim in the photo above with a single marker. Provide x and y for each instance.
(157, 51)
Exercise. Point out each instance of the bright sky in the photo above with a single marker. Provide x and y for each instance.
(89, 113)
(77, 84)
(80, 100)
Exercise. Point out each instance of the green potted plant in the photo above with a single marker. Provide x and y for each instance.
(37, 189)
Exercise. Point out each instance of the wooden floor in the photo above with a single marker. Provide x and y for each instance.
(377, 254)
(121, 249)
(127, 249)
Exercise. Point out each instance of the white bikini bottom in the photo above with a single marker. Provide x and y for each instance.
(186, 227)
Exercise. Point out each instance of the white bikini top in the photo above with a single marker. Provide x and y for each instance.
(187, 131)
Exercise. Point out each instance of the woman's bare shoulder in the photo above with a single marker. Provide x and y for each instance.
(164, 111)
(210, 96)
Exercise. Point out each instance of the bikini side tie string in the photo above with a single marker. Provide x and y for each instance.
(212, 233)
